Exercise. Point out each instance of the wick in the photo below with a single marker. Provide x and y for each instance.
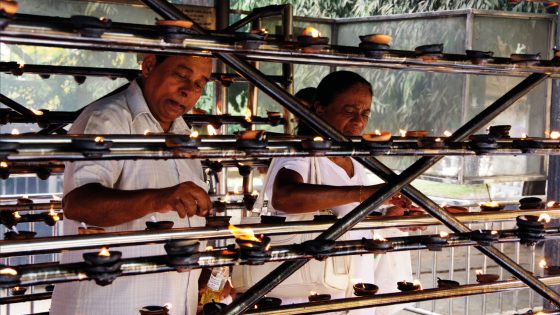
(14, 228)
(83, 225)
(153, 218)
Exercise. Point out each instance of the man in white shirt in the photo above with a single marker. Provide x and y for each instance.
(121, 195)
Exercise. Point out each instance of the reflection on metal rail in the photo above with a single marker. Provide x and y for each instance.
(74, 242)
(38, 274)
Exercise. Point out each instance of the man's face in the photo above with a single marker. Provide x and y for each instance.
(173, 87)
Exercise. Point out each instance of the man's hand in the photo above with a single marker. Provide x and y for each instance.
(400, 201)
(187, 199)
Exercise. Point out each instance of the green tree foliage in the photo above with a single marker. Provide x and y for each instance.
(362, 8)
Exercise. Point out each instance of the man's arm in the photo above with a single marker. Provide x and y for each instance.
(292, 195)
(101, 206)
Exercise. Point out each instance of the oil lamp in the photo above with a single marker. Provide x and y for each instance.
(435, 242)
(185, 142)
(316, 297)
(311, 41)
(85, 229)
(154, 224)
(103, 266)
(217, 221)
(182, 252)
(377, 245)
(481, 277)
(17, 290)
(444, 284)
(478, 57)
(213, 308)
(256, 249)
(375, 45)
(316, 145)
(430, 52)
(531, 203)
(274, 118)
(91, 26)
(406, 286)
(51, 217)
(484, 237)
(251, 139)
(491, 206)
(8, 275)
(531, 228)
(24, 200)
(103, 257)
(365, 289)
(499, 131)
(377, 139)
(15, 234)
(268, 302)
(154, 310)
(318, 248)
(174, 31)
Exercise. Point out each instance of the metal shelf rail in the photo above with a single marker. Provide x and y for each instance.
(230, 55)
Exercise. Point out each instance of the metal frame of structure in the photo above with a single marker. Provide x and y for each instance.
(230, 56)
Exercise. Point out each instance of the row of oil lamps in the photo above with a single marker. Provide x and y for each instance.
(11, 218)
(310, 40)
(104, 266)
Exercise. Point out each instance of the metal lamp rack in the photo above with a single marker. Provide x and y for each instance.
(234, 55)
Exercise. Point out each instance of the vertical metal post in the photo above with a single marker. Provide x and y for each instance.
(552, 247)
(222, 21)
(288, 68)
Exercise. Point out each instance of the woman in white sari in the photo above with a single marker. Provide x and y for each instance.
(297, 186)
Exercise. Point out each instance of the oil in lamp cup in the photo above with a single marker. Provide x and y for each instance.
(9, 275)
(90, 230)
(316, 247)
(499, 131)
(154, 310)
(159, 225)
(324, 218)
(213, 308)
(182, 141)
(217, 221)
(316, 297)
(491, 206)
(272, 219)
(17, 290)
(487, 278)
(531, 203)
(443, 283)
(484, 237)
(21, 235)
(455, 209)
(94, 259)
(406, 286)
(269, 302)
(377, 246)
(479, 57)
(365, 289)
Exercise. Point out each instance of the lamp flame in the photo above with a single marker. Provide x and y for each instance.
(313, 293)
(15, 132)
(402, 132)
(194, 134)
(8, 271)
(104, 252)
(99, 139)
(543, 264)
(443, 234)
(248, 115)
(36, 112)
(211, 130)
(243, 234)
(491, 204)
(479, 272)
(493, 232)
(377, 132)
(438, 140)
(523, 135)
(544, 218)
(146, 132)
(16, 215)
(209, 248)
(53, 214)
(3, 164)
(311, 31)
(55, 197)
(447, 133)
(377, 237)
(554, 135)
(218, 111)
(549, 204)
(416, 282)
(318, 139)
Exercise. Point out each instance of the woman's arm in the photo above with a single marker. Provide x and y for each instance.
(101, 206)
(292, 195)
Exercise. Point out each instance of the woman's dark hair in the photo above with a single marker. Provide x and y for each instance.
(337, 82)
(308, 95)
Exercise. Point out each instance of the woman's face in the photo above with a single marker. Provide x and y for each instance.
(349, 111)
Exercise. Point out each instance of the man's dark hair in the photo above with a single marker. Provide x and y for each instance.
(337, 82)
(307, 94)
